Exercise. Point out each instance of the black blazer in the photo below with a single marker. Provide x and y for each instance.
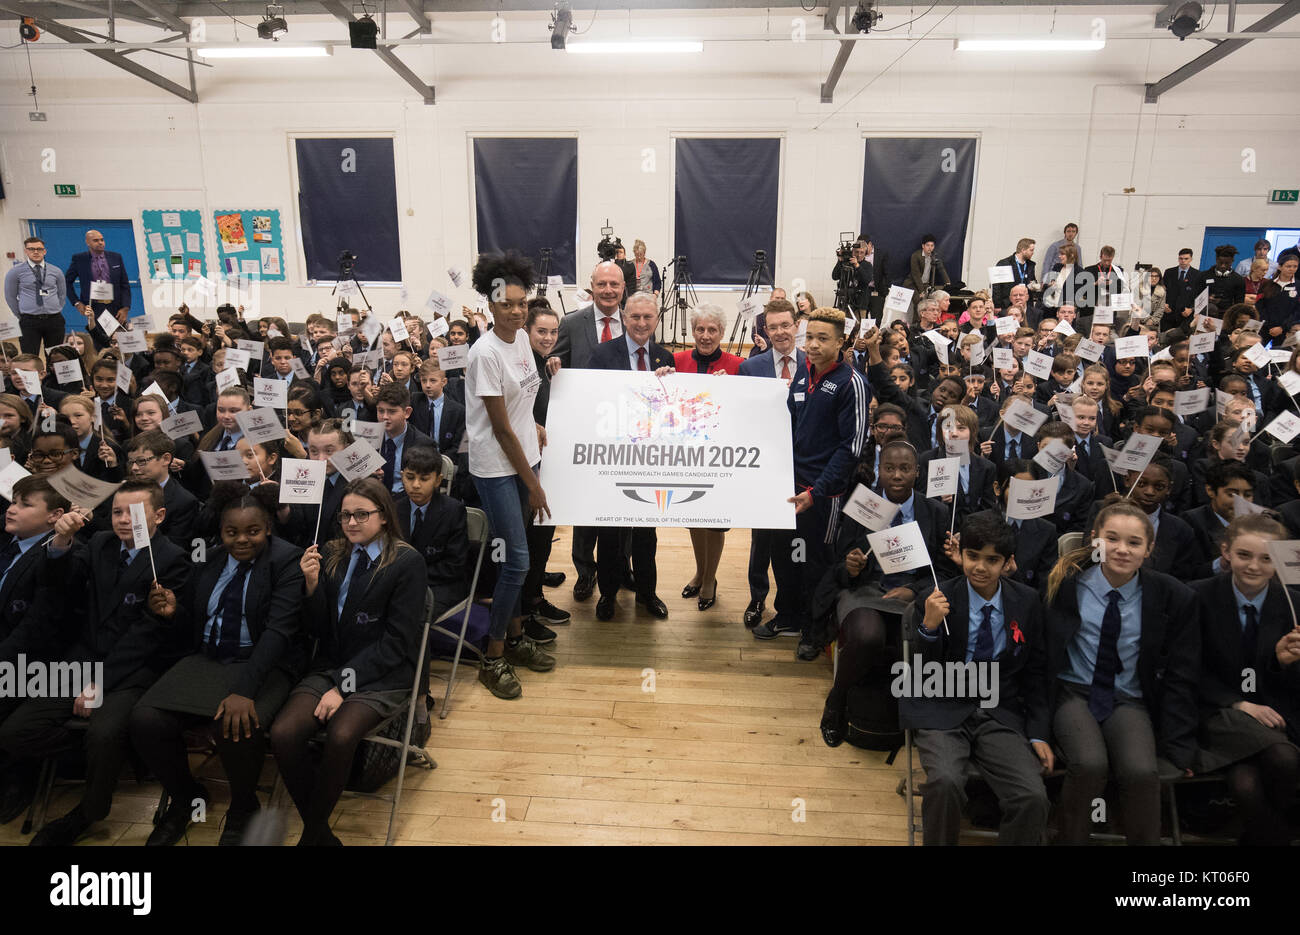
(301, 524)
(1207, 535)
(199, 386)
(105, 608)
(452, 429)
(979, 495)
(1028, 445)
(1073, 501)
(1221, 653)
(1095, 467)
(443, 544)
(272, 609)
(94, 466)
(613, 355)
(1179, 296)
(1036, 550)
(1168, 656)
(20, 630)
(182, 511)
(1021, 668)
(378, 634)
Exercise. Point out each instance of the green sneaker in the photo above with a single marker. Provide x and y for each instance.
(499, 677)
(528, 654)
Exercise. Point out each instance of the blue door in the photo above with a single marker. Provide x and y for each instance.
(65, 238)
(1243, 238)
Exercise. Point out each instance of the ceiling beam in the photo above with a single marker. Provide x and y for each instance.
(388, 56)
(117, 59)
(416, 9)
(171, 19)
(64, 10)
(1220, 51)
(837, 69)
(832, 9)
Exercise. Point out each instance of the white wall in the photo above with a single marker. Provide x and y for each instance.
(1060, 136)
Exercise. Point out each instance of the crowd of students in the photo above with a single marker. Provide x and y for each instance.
(266, 623)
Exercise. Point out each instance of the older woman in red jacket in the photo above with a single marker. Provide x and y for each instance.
(707, 356)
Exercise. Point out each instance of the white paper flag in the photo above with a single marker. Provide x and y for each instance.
(372, 432)
(899, 548)
(1038, 365)
(10, 331)
(942, 476)
(1089, 350)
(1135, 346)
(1004, 358)
(30, 380)
(1286, 560)
(108, 322)
(132, 342)
(1136, 453)
(1201, 343)
(80, 489)
(357, 460)
(1053, 456)
(1258, 355)
(11, 474)
(1023, 417)
(1243, 507)
(1285, 427)
(224, 465)
(254, 349)
(456, 275)
(302, 481)
(1191, 402)
(1031, 499)
(1202, 301)
(398, 327)
(1120, 302)
(438, 327)
(453, 357)
(66, 371)
(1103, 315)
(227, 378)
(899, 300)
(260, 425)
(181, 425)
(1000, 274)
(438, 303)
(870, 509)
(1063, 328)
(1006, 325)
(124, 378)
(1289, 380)
(236, 358)
(272, 393)
(139, 526)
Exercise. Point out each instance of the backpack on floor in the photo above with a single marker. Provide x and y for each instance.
(376, 763)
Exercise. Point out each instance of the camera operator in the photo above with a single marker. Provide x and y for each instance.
(611, 250)
(858, 272)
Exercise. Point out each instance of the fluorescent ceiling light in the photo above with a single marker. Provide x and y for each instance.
(647, 46)
(1030, 45)
(248, 50)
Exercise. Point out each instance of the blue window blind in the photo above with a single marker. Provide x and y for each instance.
(726, 198)
(526, 199)
(347, 200)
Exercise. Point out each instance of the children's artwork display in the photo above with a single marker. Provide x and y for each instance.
(173, 240)
(250, 244)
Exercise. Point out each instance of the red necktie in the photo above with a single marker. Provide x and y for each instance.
(640, 358)
(605, 333)
(785, 369)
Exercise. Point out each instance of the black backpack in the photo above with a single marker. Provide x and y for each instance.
(376, 763)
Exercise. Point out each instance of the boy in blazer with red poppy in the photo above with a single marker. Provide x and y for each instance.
(985, 619)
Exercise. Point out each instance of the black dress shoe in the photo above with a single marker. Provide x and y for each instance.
(807, 650)
(706, 602)
(656, 607)
(15, 798)
(232, 833)
(754, 614)
(583, 587)
(62, 832)
(605, 608)
(833, 727)
(173, 824)
(629, 582)
(691, 590)
(553, 579)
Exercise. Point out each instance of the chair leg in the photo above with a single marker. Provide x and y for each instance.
(163, 801)
(44, 779)
(455, 661)
(911, 814)
(1174, 830)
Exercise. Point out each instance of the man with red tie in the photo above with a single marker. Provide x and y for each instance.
(782, 360)
(581, 332)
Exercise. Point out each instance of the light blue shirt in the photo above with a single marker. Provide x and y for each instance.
(372, 550)
(23, 546)
(632, 347)
(1081, 653)
(1008, 438)
(436, 422)
(23, 292)
(997, 622)
(963, 477)
(417, 511)
(1155, 519)
(214, 605)
(1257, 602)
(234, 437)
(398, 444)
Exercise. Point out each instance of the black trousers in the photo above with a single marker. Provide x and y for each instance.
(38, 328)
(611, 559)
(540, 540)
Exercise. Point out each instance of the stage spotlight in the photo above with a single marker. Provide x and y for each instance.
(561, 24)
(363, 32)
(1185, 20)
(272, 25)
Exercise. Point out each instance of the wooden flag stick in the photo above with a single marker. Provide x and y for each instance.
(936, 587)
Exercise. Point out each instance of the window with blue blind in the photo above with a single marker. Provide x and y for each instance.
(526, 199)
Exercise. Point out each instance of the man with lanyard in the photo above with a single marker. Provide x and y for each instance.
(1024, 272)
(35, 293)
(828, 404)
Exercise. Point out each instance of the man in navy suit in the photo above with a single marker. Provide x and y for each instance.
(635, 349)
(97, 280)
(782, 360)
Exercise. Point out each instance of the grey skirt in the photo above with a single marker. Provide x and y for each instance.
(1229, 736)
(384, 703)
(867, 596)
(198, 684)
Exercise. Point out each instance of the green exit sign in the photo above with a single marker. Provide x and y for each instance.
(1284, 196)
(66, 191)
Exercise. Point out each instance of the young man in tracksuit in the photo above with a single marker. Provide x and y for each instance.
(828, 405)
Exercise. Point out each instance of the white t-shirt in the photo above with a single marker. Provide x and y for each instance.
(508, 370)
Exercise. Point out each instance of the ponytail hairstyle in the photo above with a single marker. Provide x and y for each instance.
(1071, 563)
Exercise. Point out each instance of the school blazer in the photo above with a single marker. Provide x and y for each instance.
(182, 511)
(272, 609)
(199, 386)
(106, 609)
(452, 428)
(1028, 445)
(377, 636)
(613, 355)
(1072, 502)
(95, 467)
(1207, 534)
(1021, 667)
(931, 517)
(979, 493)
(1036, 551)
(20, 628)
(443, 543)
(302, 516)
(1222, 661)
(1169, 656)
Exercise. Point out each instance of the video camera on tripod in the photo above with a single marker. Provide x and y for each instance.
(609, 245)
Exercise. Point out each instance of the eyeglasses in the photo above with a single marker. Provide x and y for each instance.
(136, 462)
(51, 455)
(886, 427)
(360, 517)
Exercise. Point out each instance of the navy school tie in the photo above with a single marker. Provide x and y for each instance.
(225, 644)
(1101, 699)
(984, 636)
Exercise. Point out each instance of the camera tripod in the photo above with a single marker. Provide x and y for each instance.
(740, 328)
(677, 297)
(543, 273)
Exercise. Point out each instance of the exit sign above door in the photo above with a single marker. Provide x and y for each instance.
(70, 191)
(1284, 196)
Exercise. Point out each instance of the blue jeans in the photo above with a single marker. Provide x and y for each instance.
(505, 501)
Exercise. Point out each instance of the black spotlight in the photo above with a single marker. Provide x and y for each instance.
(1185, 20)
(362, 32)
(561, 24)
(865, 17)
(272, 25)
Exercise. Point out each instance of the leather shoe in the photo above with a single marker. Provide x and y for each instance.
(807, 650)
(656, 607)
(753, 614)
(583, 587)
(605, 608)
(629, 582)
(15, 798)
(691, 590)
(705, 603)
(553, 579)
(63, 831)
(833, 727)
(174, 823)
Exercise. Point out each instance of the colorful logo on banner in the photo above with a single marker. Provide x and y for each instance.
(665, 411)
(664, 497)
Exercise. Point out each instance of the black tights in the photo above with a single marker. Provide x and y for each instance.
(1263, 788)
(159, 737)
(316, 789)
(864, 636)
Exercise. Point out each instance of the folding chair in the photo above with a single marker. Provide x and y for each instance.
(477, 526)
(448, 472)
(1069, 542)
(39, 809)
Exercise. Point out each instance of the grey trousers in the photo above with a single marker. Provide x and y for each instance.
(1123, 745)
(1008, 765)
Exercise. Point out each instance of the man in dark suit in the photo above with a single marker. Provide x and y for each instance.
(996, 625)
(782, 360)
(1104, 280)
(1023, 272)
(99, 593)
(1179, 281)
(581, 332)
(97, 280)
(635, 350)
(149, 458)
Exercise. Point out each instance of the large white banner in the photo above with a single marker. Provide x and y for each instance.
(628, 449)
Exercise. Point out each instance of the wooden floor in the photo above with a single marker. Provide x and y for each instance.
(718, 745)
